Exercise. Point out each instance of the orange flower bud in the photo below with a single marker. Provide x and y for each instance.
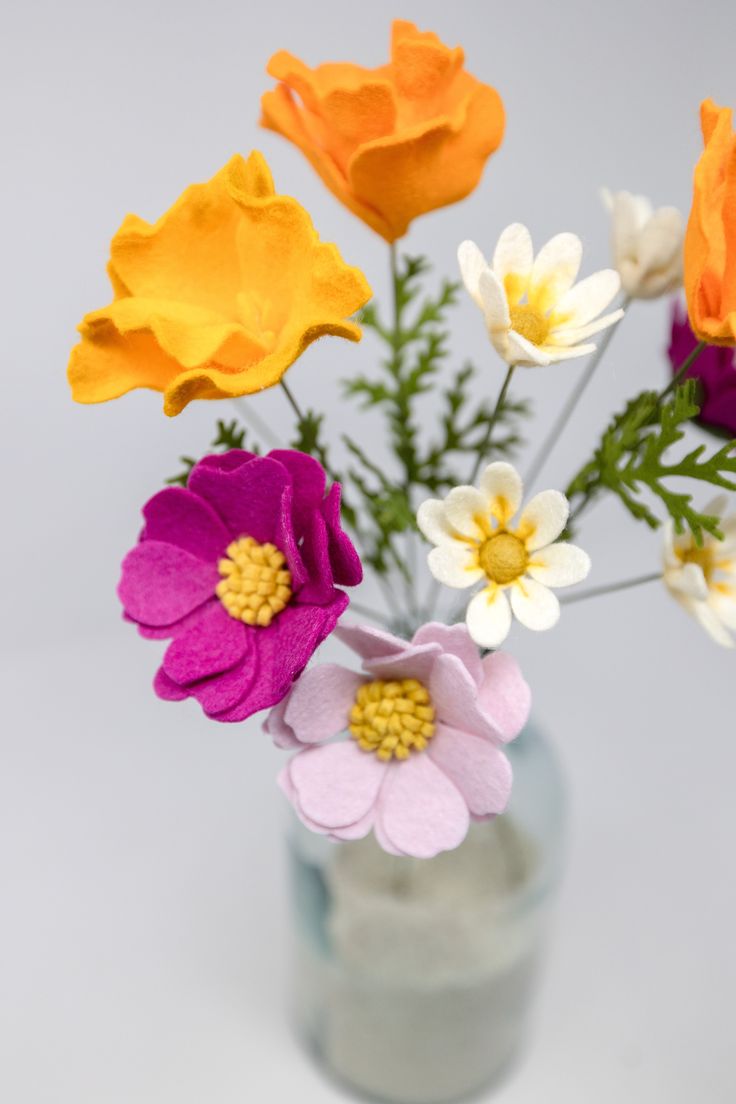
(710, 242)
(394, 142)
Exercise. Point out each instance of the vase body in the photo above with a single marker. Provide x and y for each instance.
(414, 978)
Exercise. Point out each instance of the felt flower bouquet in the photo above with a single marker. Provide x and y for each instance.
(248, 560)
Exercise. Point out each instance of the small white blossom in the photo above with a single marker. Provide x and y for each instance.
(703, 580)
(476, 541)
(646, 244)
(534, 311)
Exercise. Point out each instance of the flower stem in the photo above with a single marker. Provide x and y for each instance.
(366, 611)
(492, 422)
(683, 369)
(568, 409)
(610, 588)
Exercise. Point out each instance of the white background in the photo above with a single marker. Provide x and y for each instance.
(144, 916)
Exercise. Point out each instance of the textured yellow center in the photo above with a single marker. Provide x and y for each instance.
(528, 322)
(704, 557)
(256, 584)
(503, 558)
(392, 718)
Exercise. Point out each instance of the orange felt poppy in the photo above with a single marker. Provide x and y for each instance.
(394, 142)
(217, 298)
(710, 242)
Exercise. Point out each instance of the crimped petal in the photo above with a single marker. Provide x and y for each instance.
(347, 568)
(369, 642)
(463, 506)
(534, 605)
(559, 565)
(420, 810)
(555, 269)
(543, 519)
(488, 617)
(454, 640)
(455, 565)
(479, 770)
(585, 301)
(513, 260)
(455, 698)
(433, 523)
(416, 662)
(502, 485)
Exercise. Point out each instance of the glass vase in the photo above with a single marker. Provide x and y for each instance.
(413, 979)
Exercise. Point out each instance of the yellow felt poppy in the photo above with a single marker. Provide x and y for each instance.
(217, 298)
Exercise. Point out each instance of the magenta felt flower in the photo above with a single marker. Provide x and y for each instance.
(714, 368)
(426, 722)
(240, 569)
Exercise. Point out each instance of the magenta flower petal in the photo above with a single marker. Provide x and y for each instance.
(214, 643)
(308, 480)
(162, 583)
(318, 707)
(176, 628)
(317, 588)
(248, 497)
(420, 810)
(176, 516)
(228, 690)
(714, 369)
(505, 695)
(455, 640)
(346, 566)
(166, 689)
(481, 771)
(226, 461)
(336, 784)
(455, 698)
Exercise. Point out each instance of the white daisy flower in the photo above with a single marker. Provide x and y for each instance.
(703, 580)
(647, 245)
(533, 313)
(475, 540)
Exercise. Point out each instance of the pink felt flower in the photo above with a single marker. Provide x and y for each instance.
(426, 718)
(239, 568)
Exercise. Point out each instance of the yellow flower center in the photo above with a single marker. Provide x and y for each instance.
(392, 718)
(530, 323)
(503, 557)
(704, 557)
(256, 584)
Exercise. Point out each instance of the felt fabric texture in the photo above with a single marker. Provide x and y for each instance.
(394, 142)
(168, 580)
(710, 239)
(646, 245)
(424, 804)
(217, 298)
(715, 371)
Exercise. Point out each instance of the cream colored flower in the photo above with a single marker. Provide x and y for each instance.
(703, 580)
(646, 244)
(476, 541)
(533, 313)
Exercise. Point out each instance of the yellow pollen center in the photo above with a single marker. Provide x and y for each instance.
(503, 557)
(704, 558)
(528, 322)
(392, 718)
(256, 584)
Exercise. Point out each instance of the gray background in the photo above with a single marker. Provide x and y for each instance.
(144, 912)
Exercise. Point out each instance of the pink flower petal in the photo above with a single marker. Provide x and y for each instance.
(161, 583)
(336, 785)
(421, 812)
(176, 516)
(215, 642)
(505, 695)
(455, 699)
(481, 771)
(276, 727)
(370, 643)
(456, 640)
(416, 663)
(319, 705)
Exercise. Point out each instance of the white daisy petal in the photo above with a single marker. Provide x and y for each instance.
(554, 354)
(503, 488)
(723, 602)
(716, 506)
(543, 519)
(472, 263)
(488, 617)
(567, 336)
(587, 299)
(513, 260)
(455, 565)
(687, 580)
(559, 565)
(668, 545)
(710, 621)
(493, 301)
(534, 605)
(521, 351)
(554, 271)
(661, 240)
(462, 506)
(433, 523)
